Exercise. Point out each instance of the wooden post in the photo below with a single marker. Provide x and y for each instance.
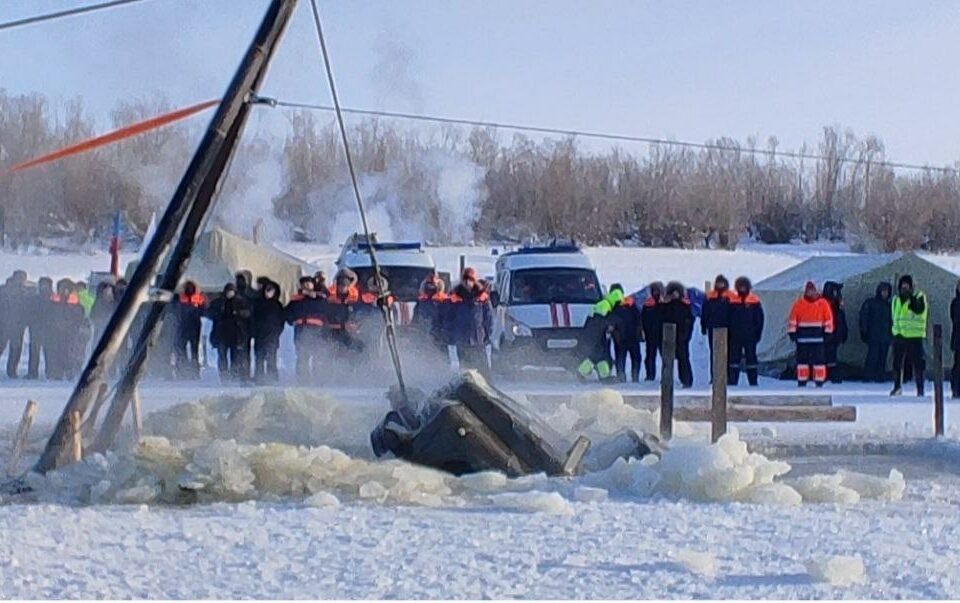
(137, 417)
(669, 355)
(463, 266)
(76, 439)
(938, 380)
(718, 400)
(21, 438)
(707, 286)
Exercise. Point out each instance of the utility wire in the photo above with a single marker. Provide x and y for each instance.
(65, 13)
(382, 290)
(590, 134)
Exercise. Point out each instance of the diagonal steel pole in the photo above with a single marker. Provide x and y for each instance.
(194, 196)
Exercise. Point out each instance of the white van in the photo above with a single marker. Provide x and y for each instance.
(543, 296)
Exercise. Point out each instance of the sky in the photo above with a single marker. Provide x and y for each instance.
(684, 70)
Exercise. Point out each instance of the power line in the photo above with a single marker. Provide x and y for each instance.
(65, 13)
(589, 134)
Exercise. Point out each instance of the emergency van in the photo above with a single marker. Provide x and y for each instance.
(542, 295)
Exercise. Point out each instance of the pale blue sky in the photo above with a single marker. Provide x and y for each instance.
(683, 70)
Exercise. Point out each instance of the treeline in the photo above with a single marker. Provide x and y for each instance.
(457, 185)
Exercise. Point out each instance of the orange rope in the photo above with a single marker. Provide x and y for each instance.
(114, 136)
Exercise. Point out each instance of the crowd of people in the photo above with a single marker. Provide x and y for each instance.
(340, 320)
(817, 325)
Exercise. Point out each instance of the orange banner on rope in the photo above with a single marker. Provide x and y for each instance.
(110, 137)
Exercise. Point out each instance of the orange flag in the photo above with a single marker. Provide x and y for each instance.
(110, 137)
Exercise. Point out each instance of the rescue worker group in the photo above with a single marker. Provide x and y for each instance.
(58, 324)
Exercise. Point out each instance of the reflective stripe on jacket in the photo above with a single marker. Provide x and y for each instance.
(906, 322)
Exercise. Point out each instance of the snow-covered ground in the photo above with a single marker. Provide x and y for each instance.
(280, 513)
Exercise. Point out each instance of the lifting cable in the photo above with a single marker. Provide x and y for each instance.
(65, 13)
(383, 293)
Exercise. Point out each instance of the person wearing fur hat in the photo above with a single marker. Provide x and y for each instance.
(716, 311)
(343, 299)
(746, 328)
(469, 320)
(676, 310)
(909, 311)
(809, 325)
(307, 314)
(428, 313)
(230, 314)
(833, 293)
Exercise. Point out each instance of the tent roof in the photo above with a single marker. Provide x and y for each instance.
(824, 268)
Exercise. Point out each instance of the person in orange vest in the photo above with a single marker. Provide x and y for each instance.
(716, 312)
(428, 314)
(343, 300)
(69, 318)
(809, 325)
(469, 320)
(676, 309)
(307, 313)
(746, 328)
(626, 335)
(188, 309)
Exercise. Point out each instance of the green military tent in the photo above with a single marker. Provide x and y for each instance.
(859, 274)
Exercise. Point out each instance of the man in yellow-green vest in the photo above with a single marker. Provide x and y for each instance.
(909, 309)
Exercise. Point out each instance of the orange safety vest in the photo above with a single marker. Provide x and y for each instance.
(197, 300)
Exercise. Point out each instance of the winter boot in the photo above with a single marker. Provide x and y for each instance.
(896, 391)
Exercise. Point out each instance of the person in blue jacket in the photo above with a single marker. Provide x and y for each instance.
(469, 320)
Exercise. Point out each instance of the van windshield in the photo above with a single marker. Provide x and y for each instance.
(404, 280)
(554, 285)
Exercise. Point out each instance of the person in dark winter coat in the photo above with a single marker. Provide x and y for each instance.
(716, 311)
(469, 321)
(676, 310)
(71, 329)
(244, 282)
(42, 331)
(651, 320)
(876, 323)
(955, 342)
(626, 336)
(15, 301)
(745, 330)
(307, 313)
(103, 307)
(910, 311)
(428, 313)
(188, 310)
(833, 293)
(268, 324)
(230, 314)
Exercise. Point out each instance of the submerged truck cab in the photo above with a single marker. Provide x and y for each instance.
(543, 297)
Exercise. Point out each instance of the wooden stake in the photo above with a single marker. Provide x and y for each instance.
(718, 400)
(669, 355)
(938, 381)
(76, 438)
(137, 417)
(21, 438)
